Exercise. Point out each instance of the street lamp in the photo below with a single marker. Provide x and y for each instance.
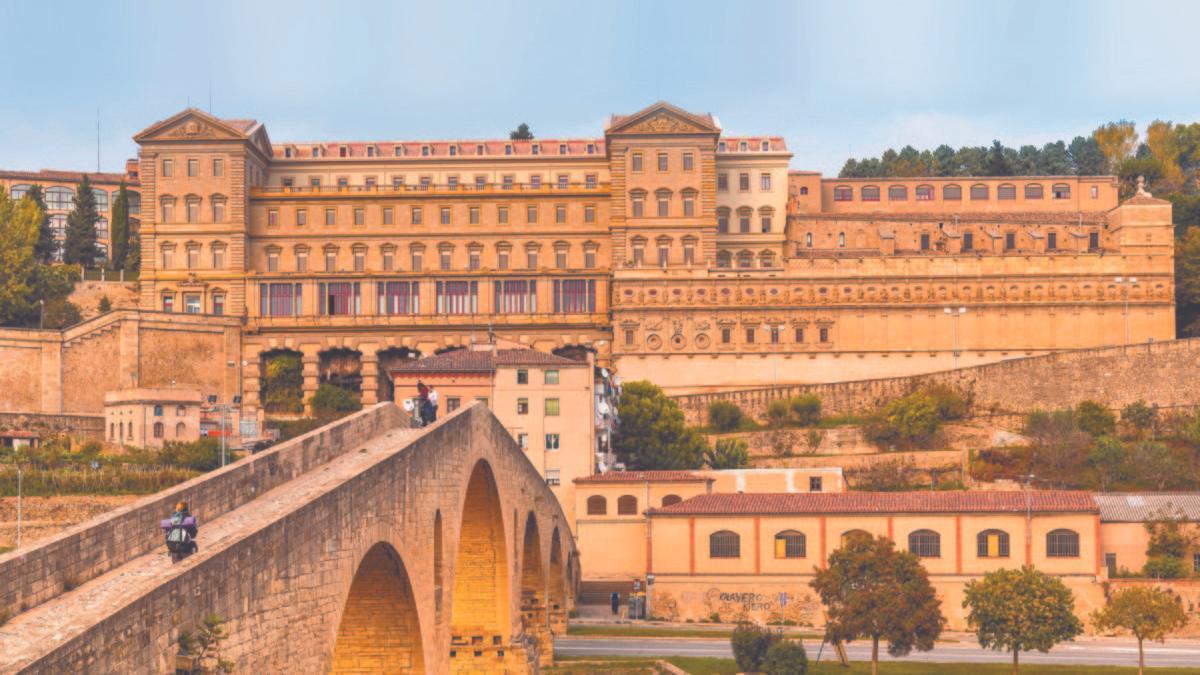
(1127, 283)
(954, 313)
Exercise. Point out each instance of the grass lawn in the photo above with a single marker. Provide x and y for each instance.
(668, 631)
(714, 666)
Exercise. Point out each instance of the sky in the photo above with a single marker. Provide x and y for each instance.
(835, 79)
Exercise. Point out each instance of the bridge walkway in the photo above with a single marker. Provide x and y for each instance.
(34, 633)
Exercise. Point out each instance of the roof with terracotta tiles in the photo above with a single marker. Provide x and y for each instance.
(643, 476)
(58, 176)
(1040, 501)
(482, 361)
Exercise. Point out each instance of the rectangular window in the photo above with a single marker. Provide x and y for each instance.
(360, 216)
(924, 241)
(417, 259)
(1051, 241)
(444, 259)
(444, 215)
(168, 303)
(799, 336)
(279, 299)
(1010, 241)
(814, 484)
(726, 336)
(629, 336)
(397, 181)
(389, 261)
(502, 215)
(1093, 241)
(531, 259)
(339, 298)
(473, 260)
(535, 182)
(664, 256)
(515, 296)
(531, 214)
(689, 254)
(191, 303)
(552, 441)
(473, 215)
(574, 296)
(662, 161)
(523, 441)
(968, 241)
(398, 297)
(824, 335)
(522, 376)
(560, 259)
(218, 166)
(193, 210)
(424, 182)
(360, 261)
(551, 376)
(301, 261)
(330, 217)
(387, 215)
(480, 182)
(722, 182)
(522, 407)
(272, 261)
(743, 182)
(331, 261)
(193, 166)
(589, 259)
(168, 168)
(664, 206)
(506, 181)
(272, 217)
(590, 181)
(218, 304)
(765, 182)
(564, 181)
(314, 182)
(502, 259)
(452, 182)
(415, 215)
(636, 162)
(552, 407)
(749, 336)
(218, 258)
(589, 214)
(457, 297)
(688, 161)
(774, 331)
(453, 402)
(638, 206)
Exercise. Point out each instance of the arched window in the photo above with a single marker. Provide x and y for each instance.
(597, 505)
(925, 544)
(1033, 191)
(790, 544)
(766, 259)
(112, 429)
(804, 190)
(843, 193)
(1061, 191)
(158, 429)
(808, 239)
(59, 198)
(18, 191)
(992, 544)
(1006, 191)
(979, 191)
(179, 428)
(850, 535)
(952, 193)
(671, 499)
(180, 411)
(897, 193)
(627, 505)
(724, 544)
(724, 259)
(1062, 544)
(870, 193)
(924, 193)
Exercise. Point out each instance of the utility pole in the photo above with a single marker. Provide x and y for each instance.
(954, 314)
(19, 504)
(1127, 285)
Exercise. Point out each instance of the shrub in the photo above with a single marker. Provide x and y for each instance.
(729, 453)
(105, 304)
(1165, 567)
(806, 409)
(813, 440)
(750, 643)
(1095, 419)
(949, 402)
(725, 416)
(201, 455)
(786, 657)
(330, 399)
(1140, 415)
(778, 412)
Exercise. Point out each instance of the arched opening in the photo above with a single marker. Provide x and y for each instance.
(479, 612)
(388, 358)
(342, 368)
(574, 352)
(558, 587)
(282, 381)
(380, 630)
(534, 618)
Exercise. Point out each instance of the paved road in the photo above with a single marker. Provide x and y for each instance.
(1097, 652)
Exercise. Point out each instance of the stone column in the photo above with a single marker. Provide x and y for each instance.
(251, 382)
(312, 375)
(368, 369)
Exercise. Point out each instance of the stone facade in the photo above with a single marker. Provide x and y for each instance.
(450, 527)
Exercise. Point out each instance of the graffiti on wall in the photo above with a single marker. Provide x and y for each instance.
(792, 606)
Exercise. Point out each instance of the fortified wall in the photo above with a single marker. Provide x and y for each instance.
(55, 372)
(1163, 373)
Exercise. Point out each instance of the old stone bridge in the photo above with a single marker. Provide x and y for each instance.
(364, 546)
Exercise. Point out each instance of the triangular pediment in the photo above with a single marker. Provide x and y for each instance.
(191, 124)
(663, 118)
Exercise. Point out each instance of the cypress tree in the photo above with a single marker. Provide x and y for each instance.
(79, 248)
(45, 246)
(120, 229)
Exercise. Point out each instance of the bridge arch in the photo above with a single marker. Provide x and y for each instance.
(380, 629)
(557, 601)
(534, 620)
(480, 619)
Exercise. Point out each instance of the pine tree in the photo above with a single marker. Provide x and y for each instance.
(521, 133)
(45, 246)
(79, 248)
(120, 228)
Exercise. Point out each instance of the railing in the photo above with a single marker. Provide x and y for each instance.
(466, 189)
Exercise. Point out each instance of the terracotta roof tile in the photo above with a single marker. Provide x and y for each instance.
(481, 361)
(640, 476)
(882, 502)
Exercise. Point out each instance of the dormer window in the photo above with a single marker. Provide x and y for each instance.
(287, 152)
(316, 151)
(508, 148)
(454, 151)
(424, 150)
(535, 149)
(766, 146)
(370, 151)
(591, 148)
(398, 151)
(562, 148)
(479, 149)
(743, 146)
(721, 146)
(343, 151)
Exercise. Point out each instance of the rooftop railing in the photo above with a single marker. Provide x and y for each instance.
(431, 189)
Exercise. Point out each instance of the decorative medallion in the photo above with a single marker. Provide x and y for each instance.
(678, 341)
(654, 342)
(702, 341)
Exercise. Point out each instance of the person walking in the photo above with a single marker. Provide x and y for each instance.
(422, 405)
(433, 403)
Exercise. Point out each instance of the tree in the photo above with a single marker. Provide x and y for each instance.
(1094, 418)
(871, 590)
(1020, 609)
(1086, 156)
(133, 259)
(1058, 446)
(750, 643)
(998, 163)
(1107, 457)
(1149, 613)
(19, 222)
(105, 305)
(120, 228)
(778, 412)
(725, 416)
(1117, 141)
(729, 453)
(806, 409)
(1154, 463)
(651, 432)
(205, 645)
(1163, 143)
(79, 247)
(46, 245)
(786, 657)
(283, 383)
(522, 133)
(329, 400)
(1140, 415)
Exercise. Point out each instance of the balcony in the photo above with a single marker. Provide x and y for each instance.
(431, 190)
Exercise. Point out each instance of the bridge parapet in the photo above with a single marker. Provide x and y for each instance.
(33, 575)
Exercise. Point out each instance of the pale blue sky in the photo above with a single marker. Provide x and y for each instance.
(831, 77)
